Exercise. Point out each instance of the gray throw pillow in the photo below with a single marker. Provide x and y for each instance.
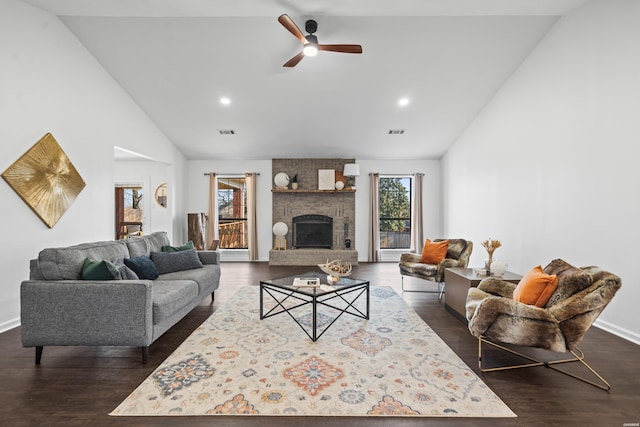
(168, 262)
(186, 246)
(125, 272)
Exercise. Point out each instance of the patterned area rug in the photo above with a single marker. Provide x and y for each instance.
(390, 365)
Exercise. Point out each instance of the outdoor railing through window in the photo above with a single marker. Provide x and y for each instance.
(233, 233)
(232, 213)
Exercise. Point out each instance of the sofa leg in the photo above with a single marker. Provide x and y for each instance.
(145, 354)
(39, 354)
(213, 297)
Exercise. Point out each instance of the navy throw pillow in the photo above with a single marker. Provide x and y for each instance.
(143, 267)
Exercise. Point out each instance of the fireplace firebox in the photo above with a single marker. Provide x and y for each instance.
(312, 231)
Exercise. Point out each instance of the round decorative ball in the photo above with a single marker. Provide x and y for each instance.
(280, 229)
(339, 185)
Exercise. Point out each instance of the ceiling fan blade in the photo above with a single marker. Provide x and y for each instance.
(294, 61)
(344, 48)
(292, 27)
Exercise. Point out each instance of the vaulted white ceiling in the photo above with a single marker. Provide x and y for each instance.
(178, 58)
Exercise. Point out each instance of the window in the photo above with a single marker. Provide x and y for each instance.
(395, 212)
(232, 213)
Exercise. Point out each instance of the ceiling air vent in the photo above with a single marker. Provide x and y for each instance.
(227, 131)
(395, 131)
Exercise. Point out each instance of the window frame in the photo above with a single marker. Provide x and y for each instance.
(228, 220)
(411, 179)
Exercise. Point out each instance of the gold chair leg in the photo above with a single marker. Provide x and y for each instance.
(578, 356)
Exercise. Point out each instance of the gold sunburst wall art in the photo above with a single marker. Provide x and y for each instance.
(45, 179)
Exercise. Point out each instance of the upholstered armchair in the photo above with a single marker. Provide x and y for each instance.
(457, 255)
(496, 317)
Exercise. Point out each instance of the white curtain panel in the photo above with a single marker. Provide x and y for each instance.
(212, 220)
(417, 230)
(252, 227)
(374, 217)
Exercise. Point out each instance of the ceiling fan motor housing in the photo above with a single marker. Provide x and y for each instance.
(311, 26)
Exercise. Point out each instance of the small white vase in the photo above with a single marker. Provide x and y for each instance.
(497, 268)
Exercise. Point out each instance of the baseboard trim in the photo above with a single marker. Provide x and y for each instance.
(616, 330)
(9, 324)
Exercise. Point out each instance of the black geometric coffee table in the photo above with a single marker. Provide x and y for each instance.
(346, 292)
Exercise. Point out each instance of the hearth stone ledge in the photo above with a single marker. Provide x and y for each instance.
(311, 256)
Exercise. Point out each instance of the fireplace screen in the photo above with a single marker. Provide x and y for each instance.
(313, 231)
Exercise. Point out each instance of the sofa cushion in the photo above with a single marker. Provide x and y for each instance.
(168, 262)
(137, 246)
(144, 245)
(67, 263)
(100, 270)
(186, 246)
(207, 277)
(434, 252)
(157, 240)
(571, 280)
(143, 267)
(535, 288)
(171, 296)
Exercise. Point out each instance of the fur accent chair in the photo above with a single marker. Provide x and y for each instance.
(582, 293)
(458, 253)
(581, 296)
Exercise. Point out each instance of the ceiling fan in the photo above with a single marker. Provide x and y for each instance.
(310, 41)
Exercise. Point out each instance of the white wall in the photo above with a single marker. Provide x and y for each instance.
(550, 166)
(50, 83)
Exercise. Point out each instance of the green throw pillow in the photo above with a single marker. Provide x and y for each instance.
(185, 247)
(100, 270)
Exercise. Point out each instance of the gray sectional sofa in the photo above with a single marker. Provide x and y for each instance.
(60, 308)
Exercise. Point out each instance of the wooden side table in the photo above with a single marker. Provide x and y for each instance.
(457, 283)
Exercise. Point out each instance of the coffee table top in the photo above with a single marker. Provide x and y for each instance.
(287, 283)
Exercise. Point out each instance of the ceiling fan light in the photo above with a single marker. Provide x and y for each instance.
(310, 49)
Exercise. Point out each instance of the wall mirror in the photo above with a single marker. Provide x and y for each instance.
(161, 195)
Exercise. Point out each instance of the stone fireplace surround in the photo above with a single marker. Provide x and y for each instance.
(308, 200)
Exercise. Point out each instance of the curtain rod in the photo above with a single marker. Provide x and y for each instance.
(235, 173)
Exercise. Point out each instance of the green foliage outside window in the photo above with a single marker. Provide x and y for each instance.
(395, 204)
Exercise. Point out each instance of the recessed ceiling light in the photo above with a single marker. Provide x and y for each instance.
(225, 101)
(403, 101)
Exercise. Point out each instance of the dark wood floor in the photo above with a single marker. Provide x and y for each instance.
(79, 386)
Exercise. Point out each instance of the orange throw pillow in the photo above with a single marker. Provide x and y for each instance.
(536, 287)
(434, 252)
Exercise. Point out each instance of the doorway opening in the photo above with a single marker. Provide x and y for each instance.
(129, 215)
